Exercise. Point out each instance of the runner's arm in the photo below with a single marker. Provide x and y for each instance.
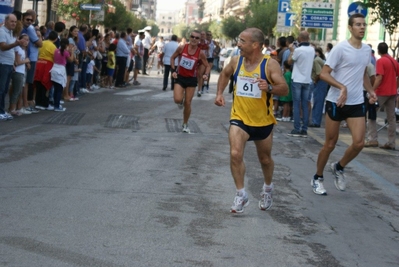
(224, 79)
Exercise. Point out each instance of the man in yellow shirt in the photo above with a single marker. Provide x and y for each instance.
(257, 78)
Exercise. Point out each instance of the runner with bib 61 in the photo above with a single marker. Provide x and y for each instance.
(256, 78)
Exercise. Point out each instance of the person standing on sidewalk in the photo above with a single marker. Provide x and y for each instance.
(7, 54)
(147, 46)
(256, 79)
(169, 49)
(302, 58)
(345, 71)
(320, 89)
(186, 74)
(385, 86)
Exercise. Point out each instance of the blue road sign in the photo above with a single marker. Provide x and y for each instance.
(284, 6)
(316, 24)
(317, 18)
(91, 7)
(357, 7)
(289, 19)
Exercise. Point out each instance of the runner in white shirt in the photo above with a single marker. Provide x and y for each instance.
(345, 70)
(159, 45)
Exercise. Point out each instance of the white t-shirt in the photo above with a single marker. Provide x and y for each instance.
(147, 40)
(160, 45)
(168, 51)
(348, 64)
(22, 55)
(303, 57)
(90, 67)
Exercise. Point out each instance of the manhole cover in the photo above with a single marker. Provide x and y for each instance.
(65, 118)
(122, 122)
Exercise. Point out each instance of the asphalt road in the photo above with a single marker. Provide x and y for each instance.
(113, 182)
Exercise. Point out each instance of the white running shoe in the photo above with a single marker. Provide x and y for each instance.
(24, 111)
(266, 200)
(239, 204)
(185, 128)
(50, 107)
(340, 179)
(318, 187)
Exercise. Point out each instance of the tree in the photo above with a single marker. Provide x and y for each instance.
(215, 29)
(232, 27)
(387, 13)
(262, 15)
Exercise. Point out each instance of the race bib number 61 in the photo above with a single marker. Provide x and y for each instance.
(248, 87)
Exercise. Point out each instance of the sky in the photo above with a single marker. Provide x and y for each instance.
(169, 5)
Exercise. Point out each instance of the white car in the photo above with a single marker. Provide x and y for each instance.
(224, 54)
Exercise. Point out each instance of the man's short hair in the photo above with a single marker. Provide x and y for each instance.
(83, 27)
(330, 46)
(53, 35)
(282, 41)
(353, 17)
(290, 39)
(266, 42)
(382, 48)
(257, 36)
(26, 14)
(129, 30)
(59, 26)
(174, 37)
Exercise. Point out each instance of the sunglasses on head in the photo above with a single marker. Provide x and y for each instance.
(195, 37)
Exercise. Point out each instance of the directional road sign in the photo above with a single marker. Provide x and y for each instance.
(317, 15)
(91, 7)
(289, 19)
(285, 19)
(357, 7)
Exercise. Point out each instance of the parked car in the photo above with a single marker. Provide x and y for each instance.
(224, 54)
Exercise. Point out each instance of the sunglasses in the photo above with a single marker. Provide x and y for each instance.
(29, 20)
(195, 37)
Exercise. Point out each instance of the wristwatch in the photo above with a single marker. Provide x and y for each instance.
(270, 88)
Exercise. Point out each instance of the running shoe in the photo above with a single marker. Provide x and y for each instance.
(181, 105)
(266, 200)
(39, 108)
(50, 107)
(24, 111)
(318, 187)
(32, 110)
(185, 128)
(199, 94)
(6, 117)
(339, 176)
(60, 109)
(240, 202)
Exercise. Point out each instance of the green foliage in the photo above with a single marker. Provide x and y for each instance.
(181, 30)
(387, 13)
(154, 27)
(121, 19)
(262, 15)
(216, 30)
(232, 27)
